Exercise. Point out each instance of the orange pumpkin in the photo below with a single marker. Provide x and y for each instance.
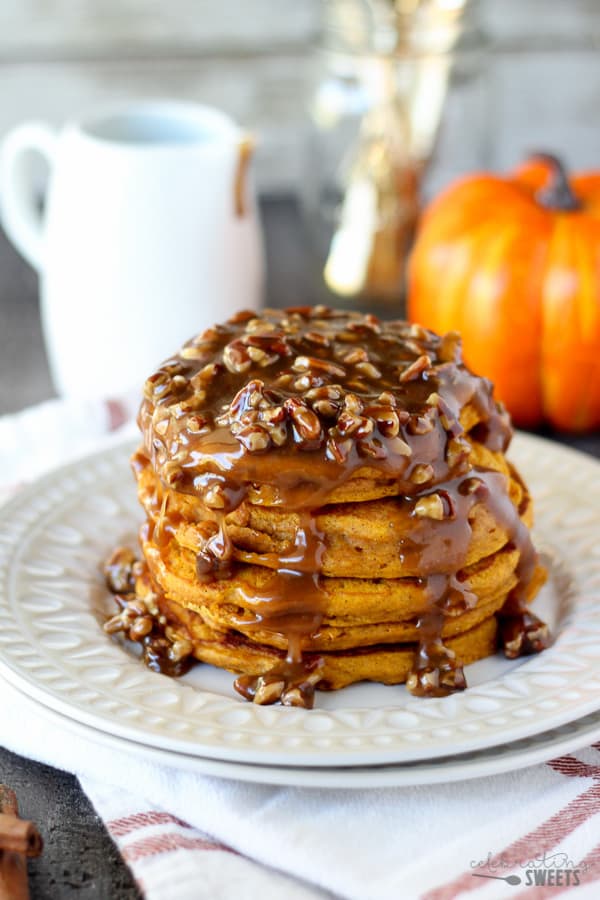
(514, 265)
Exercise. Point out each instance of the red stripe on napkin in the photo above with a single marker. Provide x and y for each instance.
(117, 414)
(120, 827)
(575, 768)
(542, 838)
(166, 843)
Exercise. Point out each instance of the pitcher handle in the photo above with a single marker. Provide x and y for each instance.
(22, 217)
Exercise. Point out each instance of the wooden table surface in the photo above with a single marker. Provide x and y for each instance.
(79, 859)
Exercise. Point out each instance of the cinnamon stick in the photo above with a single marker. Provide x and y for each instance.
(18, 840)
(8, 801)
(19, 836)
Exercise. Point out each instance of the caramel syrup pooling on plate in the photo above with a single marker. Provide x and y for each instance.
(290, 406)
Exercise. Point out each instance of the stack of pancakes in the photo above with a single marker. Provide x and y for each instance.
(327, 501)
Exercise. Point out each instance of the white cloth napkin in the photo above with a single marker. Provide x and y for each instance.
(191, 837)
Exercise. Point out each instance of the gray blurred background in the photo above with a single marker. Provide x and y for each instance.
(538, 85)
(532, 82)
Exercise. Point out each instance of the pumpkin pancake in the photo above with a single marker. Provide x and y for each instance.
(389, 663)
(327, 500)
(383, 530)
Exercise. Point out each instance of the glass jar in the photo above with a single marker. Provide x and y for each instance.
(383, 72)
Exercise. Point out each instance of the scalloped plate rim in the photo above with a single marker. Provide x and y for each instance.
(495, 760)
(237, 746)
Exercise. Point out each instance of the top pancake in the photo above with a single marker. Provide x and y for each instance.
(306, 406)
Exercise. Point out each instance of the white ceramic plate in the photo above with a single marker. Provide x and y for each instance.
(54, 535)
(491, 761)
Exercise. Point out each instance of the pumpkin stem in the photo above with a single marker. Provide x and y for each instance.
(557, 194)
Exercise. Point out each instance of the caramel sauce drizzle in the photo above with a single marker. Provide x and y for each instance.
(285, 409)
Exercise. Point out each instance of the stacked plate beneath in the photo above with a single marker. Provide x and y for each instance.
(54, 535)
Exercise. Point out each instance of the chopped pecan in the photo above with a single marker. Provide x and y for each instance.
(421, 474)
(431, 506)
(416, 368)
(435, 672)
(523, 634)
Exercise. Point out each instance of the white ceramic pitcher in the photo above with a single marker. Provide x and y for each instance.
(149, 234)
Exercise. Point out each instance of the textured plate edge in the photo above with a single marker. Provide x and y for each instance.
(423, 773)
(268, 757)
